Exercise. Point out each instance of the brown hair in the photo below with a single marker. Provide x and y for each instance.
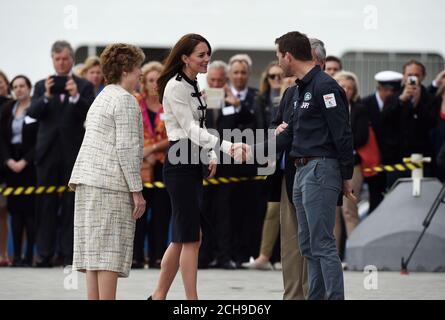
(173, 63)
(297, 44)
(21, 76)
(335, 59)
(264, 84)
(418, 63)
(5, 78)
(120, 57)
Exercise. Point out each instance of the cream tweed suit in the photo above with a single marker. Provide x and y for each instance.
(106, 171)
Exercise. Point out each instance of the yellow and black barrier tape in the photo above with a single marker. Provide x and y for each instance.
(18, 191)
(394, 167)
(42, 190)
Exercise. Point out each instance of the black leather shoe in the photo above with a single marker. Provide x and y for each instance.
(155, 265)
(137, 265)
(17, 262)
(228, 265)
(44, 263)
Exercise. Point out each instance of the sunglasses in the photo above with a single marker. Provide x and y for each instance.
(274, 76)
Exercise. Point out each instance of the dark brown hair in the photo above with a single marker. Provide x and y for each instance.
(335, 59)
(21, 76)
(418, 63)
(173, 63)
(120, 57)
(297, 44)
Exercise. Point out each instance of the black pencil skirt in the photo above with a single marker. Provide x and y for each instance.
(183, 181)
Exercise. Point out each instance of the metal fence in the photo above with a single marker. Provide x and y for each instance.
(366, 64)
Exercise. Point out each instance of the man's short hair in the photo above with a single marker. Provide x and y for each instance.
(335, 59)
(58, 47)
(319, 49)
(297, 44)
(416, 62)
(241, 57)
(218, 64)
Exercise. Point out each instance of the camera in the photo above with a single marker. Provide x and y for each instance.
(59, 85)
(412, 80)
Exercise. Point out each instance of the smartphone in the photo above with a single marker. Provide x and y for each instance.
(59, 85)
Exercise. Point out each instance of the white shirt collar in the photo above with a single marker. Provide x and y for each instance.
(242, 94)
(380, 102)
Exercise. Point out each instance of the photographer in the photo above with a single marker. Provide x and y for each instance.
(60, 104)
(407, 118)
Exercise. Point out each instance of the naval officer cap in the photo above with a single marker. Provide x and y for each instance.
(389, 79)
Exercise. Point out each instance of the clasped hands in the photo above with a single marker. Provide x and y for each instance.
(241, 152)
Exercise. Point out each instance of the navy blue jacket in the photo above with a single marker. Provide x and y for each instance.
(320, 123)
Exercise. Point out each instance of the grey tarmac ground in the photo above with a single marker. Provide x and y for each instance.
(215, 284)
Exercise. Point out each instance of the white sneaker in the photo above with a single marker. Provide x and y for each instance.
(257, 266)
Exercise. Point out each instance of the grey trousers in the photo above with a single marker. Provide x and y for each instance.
(315, 193)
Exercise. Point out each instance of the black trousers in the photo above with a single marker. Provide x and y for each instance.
(250, 200)
(377, 188)
(239, 215)
(157, 226)
(22, 208)
(55, 212)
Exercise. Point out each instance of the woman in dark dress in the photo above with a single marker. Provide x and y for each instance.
(184, 109)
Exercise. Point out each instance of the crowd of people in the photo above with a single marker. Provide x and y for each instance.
(43, 126)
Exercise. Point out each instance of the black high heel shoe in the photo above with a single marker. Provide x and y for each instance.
(149, 298)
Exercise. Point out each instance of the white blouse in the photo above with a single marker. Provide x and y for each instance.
(182, 115)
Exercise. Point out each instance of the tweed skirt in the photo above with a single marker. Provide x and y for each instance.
(103, 230)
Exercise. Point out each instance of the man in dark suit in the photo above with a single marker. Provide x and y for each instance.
(407, 118)
(61, 114)
(388, 82)
(240, 234)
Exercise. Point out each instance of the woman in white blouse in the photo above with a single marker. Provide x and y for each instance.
(184, 109)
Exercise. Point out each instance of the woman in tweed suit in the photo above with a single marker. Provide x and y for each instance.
(106, 176)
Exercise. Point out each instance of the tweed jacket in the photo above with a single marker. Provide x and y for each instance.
(111, 153)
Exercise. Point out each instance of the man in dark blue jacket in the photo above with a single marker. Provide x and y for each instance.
(320, 139)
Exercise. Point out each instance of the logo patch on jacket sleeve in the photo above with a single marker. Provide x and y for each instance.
(329, 100)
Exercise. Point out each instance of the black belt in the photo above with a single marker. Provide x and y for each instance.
(302, 161)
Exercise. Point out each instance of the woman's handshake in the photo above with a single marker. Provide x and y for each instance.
(241, 152)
